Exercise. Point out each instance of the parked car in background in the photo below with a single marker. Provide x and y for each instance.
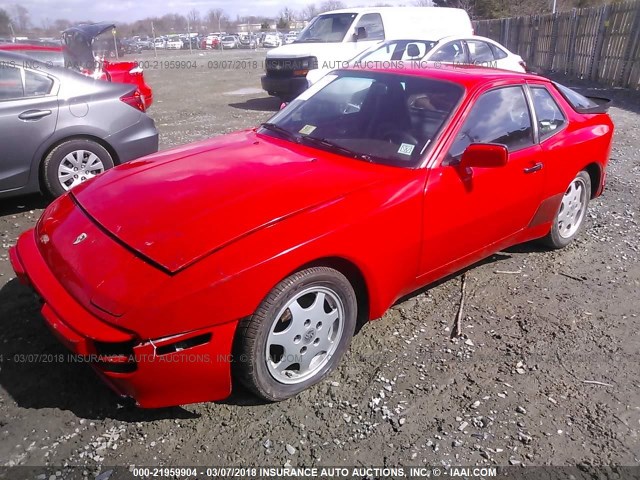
(229, 41)
(78, 54)
(290, 37)
(59, 128)
(271, 40)
(159, 42)
(419, 157)
(173, 42)
(194, 40)
(131, 47)
(146, 43)
(443, 52)
(212, 41)
(247, 40)
(337, 36)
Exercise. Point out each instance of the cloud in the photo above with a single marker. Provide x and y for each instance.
(127, 11)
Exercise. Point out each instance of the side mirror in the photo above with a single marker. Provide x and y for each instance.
(484, 155)
(359, 33)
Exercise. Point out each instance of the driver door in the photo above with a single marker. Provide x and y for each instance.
(469, 210)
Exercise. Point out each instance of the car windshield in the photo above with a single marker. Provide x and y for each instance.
(327, 28)
(393, 51)
(373, 116)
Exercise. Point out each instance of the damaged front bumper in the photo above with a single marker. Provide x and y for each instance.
(186, 368)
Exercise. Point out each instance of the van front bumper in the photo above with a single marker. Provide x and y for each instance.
(286, 88)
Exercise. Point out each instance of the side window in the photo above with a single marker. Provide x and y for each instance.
(498, 53)
(415, 51)
(10, 82)
(480, 52)
(450, 52)
(370, 27)
(499, 116)
(549, 115)
(36, 84)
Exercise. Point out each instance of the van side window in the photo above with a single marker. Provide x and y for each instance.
(370, 27)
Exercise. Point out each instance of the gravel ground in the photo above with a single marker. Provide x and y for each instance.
(546, 372)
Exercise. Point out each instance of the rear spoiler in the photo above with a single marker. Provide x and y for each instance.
(602, 107)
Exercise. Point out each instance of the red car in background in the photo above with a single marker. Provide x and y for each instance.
(257, 253)
(78, 52)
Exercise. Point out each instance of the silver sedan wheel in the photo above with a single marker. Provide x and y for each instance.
(78, 166)
(572, 208)
(304, 335)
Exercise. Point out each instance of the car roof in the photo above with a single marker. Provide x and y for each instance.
(470, 76)
(27, 46)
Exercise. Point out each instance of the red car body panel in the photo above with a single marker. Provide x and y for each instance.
(211, 228)
(120, 72)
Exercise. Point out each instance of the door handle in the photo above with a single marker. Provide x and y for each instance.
(534, 168)
(34, 114)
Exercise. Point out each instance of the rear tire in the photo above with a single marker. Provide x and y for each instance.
(73, 162)
(569, 219)
(297, 335)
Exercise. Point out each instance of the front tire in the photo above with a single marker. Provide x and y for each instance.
(73, 162)
(569, 219)
(297, 335)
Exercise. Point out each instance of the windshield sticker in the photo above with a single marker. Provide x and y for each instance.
(307, 130)
(406, 149)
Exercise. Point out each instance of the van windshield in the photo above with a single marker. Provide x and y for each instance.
(327, 28)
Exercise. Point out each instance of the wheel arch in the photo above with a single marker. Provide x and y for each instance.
(595, 174)
(57, 143)
(356, 278)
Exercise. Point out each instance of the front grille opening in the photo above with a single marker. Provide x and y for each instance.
(116, 357)
(184, 344)
(109, 349)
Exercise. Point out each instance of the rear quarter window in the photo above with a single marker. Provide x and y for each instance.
(580, 103)
(36, 85)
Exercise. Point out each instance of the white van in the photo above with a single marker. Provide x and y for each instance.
(333, 38)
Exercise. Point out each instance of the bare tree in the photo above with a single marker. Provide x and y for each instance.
(215, 18)
(5, 20)
(287, 14)
(194, 18)
(308, 12)
(329, 5)
(21, 17)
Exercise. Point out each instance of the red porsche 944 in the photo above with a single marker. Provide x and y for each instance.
(253, 256)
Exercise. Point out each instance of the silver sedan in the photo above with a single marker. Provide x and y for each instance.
(59, 128)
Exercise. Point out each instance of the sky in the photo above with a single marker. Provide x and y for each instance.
(128, 11)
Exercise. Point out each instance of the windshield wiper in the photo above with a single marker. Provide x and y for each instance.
(282, 131)
(323, 142)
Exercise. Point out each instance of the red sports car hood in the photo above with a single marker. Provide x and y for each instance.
(177, 206)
